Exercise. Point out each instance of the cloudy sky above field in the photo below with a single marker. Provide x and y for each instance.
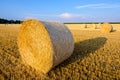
(61, 10)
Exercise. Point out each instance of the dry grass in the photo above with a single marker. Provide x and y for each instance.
(96, 56)
(73, 26)
(43, 45)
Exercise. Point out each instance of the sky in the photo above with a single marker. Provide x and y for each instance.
(62, 10)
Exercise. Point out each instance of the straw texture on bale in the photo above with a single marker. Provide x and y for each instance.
(43, 44)
(106, 28)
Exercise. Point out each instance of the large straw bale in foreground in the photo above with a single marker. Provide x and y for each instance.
(44, 45)
(106, 28)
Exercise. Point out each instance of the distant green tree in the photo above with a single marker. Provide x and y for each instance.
(5, 21)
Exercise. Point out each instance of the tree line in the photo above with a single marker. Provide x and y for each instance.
(5, 21)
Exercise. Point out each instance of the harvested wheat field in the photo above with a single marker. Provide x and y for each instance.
(96, 56)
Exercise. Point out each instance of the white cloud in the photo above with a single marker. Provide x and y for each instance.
(62, 15)
(70, 15)
(101, 5)
(65, 15)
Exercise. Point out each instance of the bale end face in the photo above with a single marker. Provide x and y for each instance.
(35, 45)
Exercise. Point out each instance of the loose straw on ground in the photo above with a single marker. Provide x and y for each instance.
(43, 44)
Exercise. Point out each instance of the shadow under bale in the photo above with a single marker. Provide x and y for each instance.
(84, 48)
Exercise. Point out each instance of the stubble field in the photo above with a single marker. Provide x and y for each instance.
(96, 56)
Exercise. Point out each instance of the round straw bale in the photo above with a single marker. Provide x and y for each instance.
(83, 26)
(98, 26)
(92, 26)
(106, 28)
(43, 44)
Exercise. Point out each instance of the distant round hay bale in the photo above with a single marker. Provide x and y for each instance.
(83, 26)
(98, 26)
(92, 26)
(106, 28)
(43, 44)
